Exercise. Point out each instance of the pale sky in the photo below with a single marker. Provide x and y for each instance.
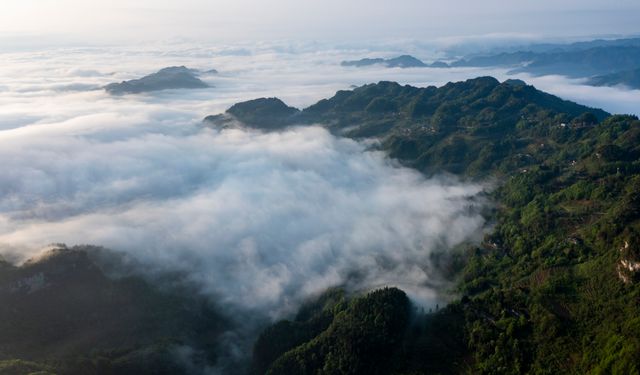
(231, 20)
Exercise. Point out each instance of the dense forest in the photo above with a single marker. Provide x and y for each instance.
(554, 288)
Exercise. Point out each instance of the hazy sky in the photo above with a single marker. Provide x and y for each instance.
(117, 20)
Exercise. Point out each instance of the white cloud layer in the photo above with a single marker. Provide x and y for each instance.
(258, 220)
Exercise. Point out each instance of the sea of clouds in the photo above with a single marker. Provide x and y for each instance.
(259, 221)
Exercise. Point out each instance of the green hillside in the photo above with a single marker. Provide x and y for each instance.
(554, 288)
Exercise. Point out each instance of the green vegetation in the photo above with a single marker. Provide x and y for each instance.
(270, 113)
(465, 127)
(553, 288)
(362, 338)
(378, 333)
(545, 292)
(64, 313)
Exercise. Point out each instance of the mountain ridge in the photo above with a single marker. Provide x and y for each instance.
(412, 122)
(174, 77)
(594, 60)
(402, 61)
(628, 78)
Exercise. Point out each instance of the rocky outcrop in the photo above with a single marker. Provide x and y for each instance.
(628, 267)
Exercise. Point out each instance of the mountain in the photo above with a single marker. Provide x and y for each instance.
(585, 63)
(471, 49)
(629, 78)
(432, 129)
(439, 64)
(364, 62)
(503, 59)
(404, 61)
(175, 77)
(63, 312)
(376, 322)
(264, 113)
(584, 60)
(553, 288)
(572, 47)
(572, 63)
(376, 333)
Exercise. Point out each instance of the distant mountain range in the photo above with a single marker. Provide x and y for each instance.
(404, 61)
(604, 62)
(175, 77)
(630, 78)
(618, 58)
(568, 47)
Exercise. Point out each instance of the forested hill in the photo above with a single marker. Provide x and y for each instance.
(554, 289)
(476, 127)
(77, 311)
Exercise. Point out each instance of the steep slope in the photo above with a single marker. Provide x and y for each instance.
(550, 290)
(361, 338)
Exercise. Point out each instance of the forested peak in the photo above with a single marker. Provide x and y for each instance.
(267, 113)
(269, 106)
(472, 95)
